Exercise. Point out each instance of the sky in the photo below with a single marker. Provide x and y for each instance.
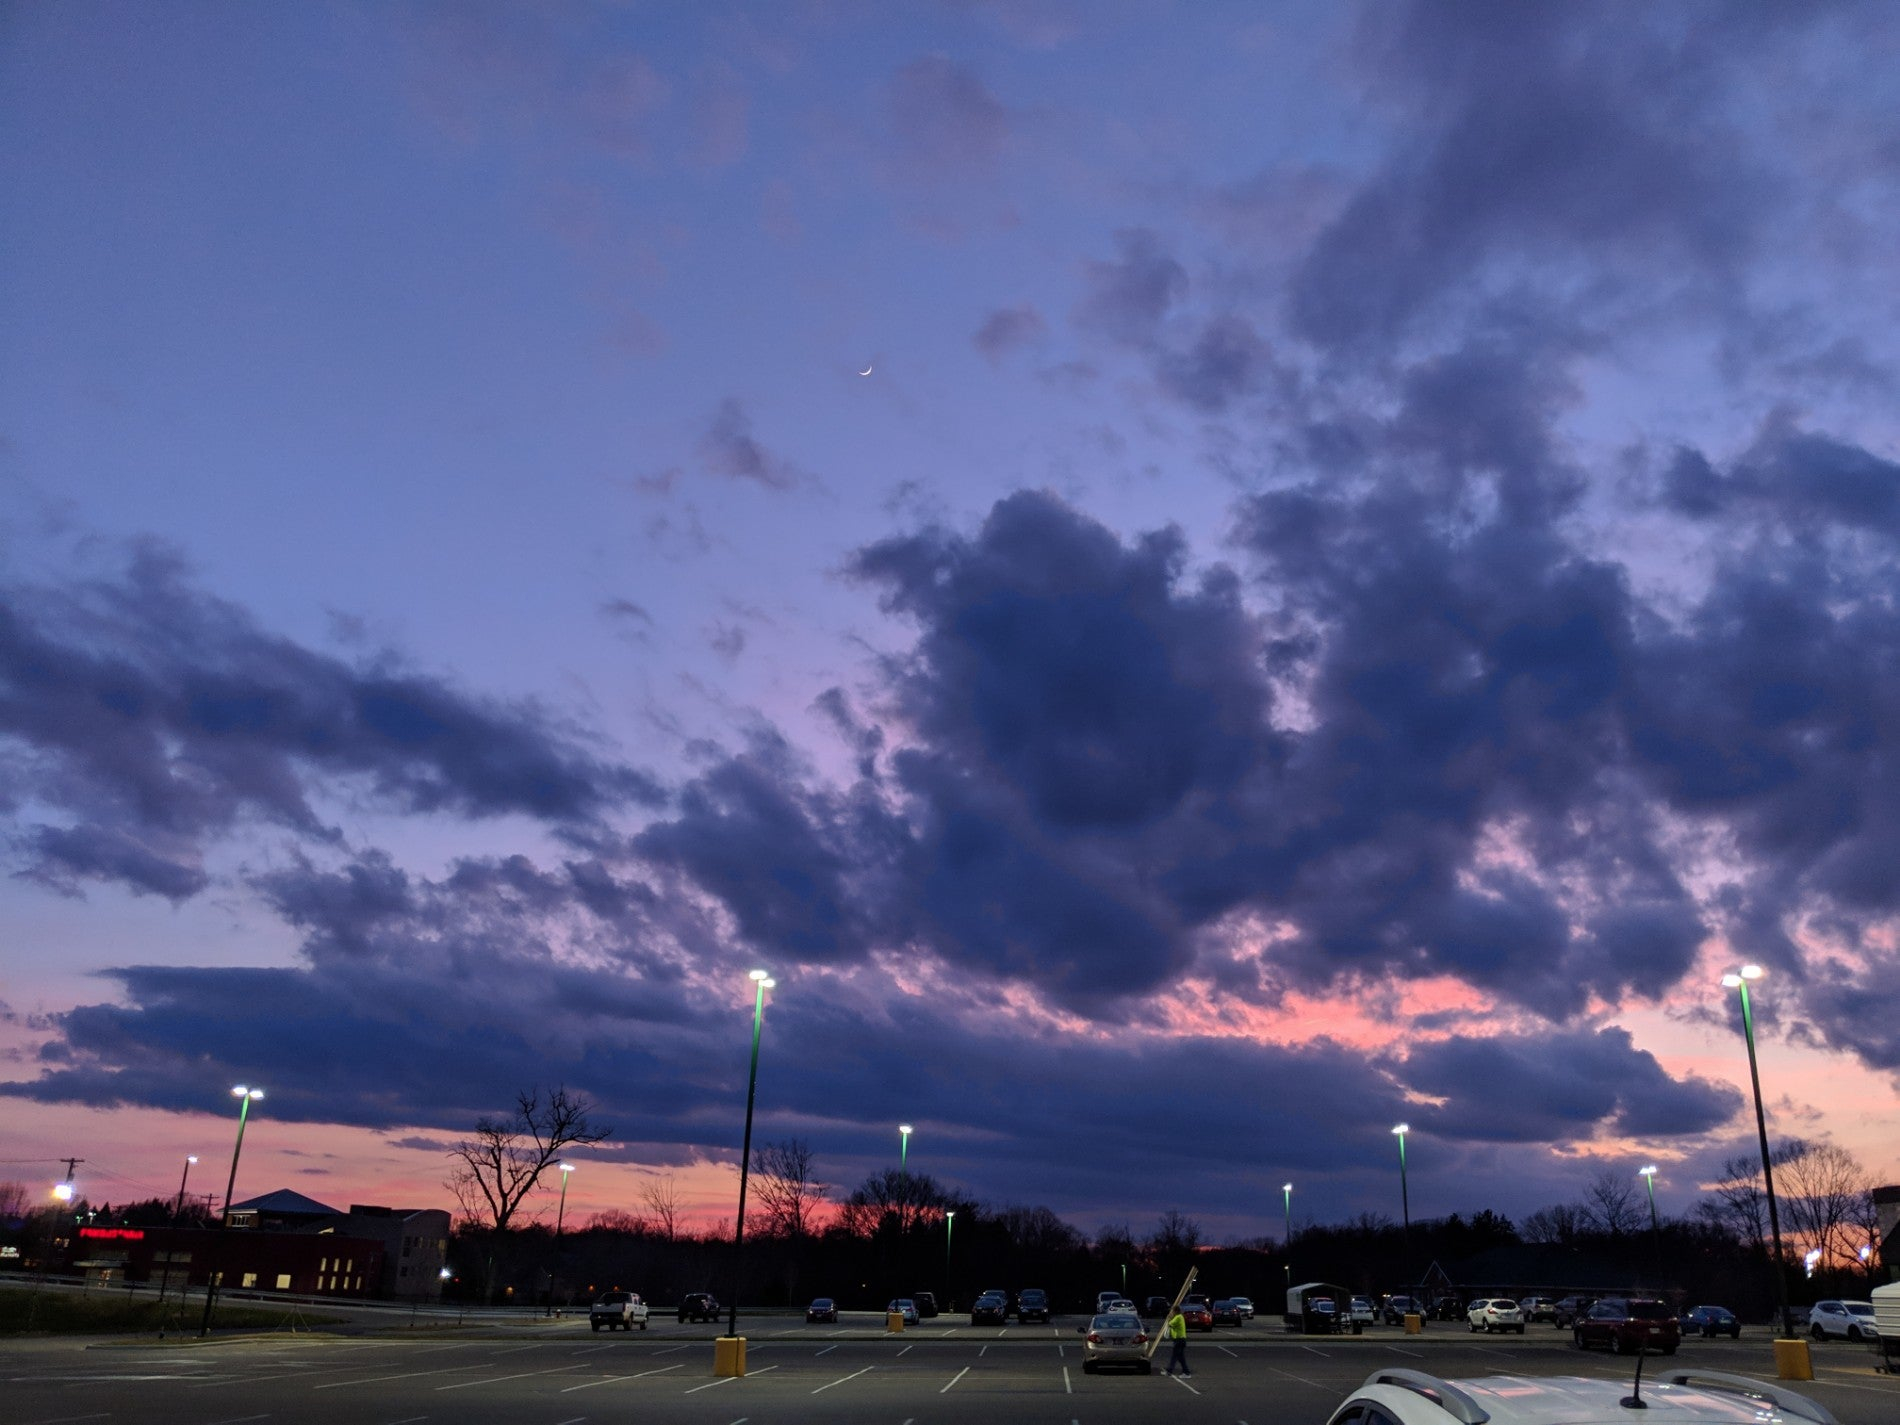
(1196, 581)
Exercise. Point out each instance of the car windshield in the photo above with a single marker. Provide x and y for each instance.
(1648, 1310)
(1116, 1321)
(1860, 1308)
(823, 1303)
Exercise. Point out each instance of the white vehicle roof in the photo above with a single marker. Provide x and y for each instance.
(1673, 1394)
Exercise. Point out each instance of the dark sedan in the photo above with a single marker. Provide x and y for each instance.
(1228, 1313)
(823, 1309)
(988, 1310)
(1711, 1321)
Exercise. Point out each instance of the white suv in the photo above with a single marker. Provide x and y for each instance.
(1401, 1397)
(1853, 1320)
(1497, 1313)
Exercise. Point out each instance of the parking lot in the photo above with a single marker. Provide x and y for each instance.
(559, 1373)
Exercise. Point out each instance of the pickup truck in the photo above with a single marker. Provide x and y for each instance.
(622, 1309)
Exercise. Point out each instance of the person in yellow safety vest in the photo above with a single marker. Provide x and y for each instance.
(1177, 1336)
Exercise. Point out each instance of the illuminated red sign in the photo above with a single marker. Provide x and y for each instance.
(113, 1234)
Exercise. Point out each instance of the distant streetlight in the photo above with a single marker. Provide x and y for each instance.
(245, 1097)
(762, 982)
(903, 1172)
(1405, 1194)
(179, 1209)
(1287, 1190)
(1739, 980)
(1648, 1175)
(949, 1227)
(63, 1189)
(560, 1216)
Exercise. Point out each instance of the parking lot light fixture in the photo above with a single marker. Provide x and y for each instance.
(560, 1216)
(1648, 1175)
(762, 981)
(245, 1096)
(1739, 981)
(179, 1207)
(949, 1227)
(1405, 1194)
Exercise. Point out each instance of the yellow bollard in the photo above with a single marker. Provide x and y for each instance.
(894, 1321)
(729, 1356)
(1414, 1324)
(1793, 1361)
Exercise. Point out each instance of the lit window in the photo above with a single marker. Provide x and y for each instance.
(283, 1281)
(250, 1279)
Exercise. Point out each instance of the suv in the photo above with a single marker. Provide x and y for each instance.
(1851, 1319)
(990, 1309)
(699, 1306)
(1404, 1397)
(620, 1309)
(1496, 1313)
(1032, 1304)
(1397, 1308)
(1568, 1310)
(1156, 1306)
(926, 1303)
(1538, 1308)
(1628, 1324)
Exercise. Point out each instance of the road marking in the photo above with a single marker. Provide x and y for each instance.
(827, 1349)
(984, 1351)
(516, 1350)
(842, 1379)
(723, 1379)
(412, 1419)
(1182, 1382)
(241, 1419)
(377, 1380)
(1316, 1351)
(658, 1371)
(1223, 1348)
(1417, 1355)
(911, 1347)
(1301, 1379)
(669, 1350)
(105, 1415)
(955, 1378)
(1059, 1350)
(589, 1350)
(1068, 1386)
(497, 1380)
(575, 1421)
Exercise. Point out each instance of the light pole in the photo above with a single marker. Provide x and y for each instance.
(1738, 980)
(1405, 1195)
(903, 1173)
(190, 1158)
(560, 1216)
(245, 1097)
(949, 1227)
(762, 982)
(1286, 1190)
(1648, 1175)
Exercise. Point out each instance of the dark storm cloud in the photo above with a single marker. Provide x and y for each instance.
(1562, 1085)
(1539, 144)
(157, 717)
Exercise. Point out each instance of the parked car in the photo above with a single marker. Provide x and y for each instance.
(618, 1310)
(1627, 1324)
(1359, 1311)
(1569, 1309)
(1397, 1308)
(1156, 1306)
(1537, 1308)
(1102, 1299)
(1199, 1315)
(1246, 1306)
(926, 1303)
(905, 1307)
(1115, 1338)
(1408, 1397)
(989, 1309)
(699, 1306)
(822, 1309)
(1226, 1312)
(1851, 1320)
(1711, 1321)
(1032, 1304)
(1495, 1313)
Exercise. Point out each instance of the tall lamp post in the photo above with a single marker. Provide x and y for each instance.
(1739, 980)
(903, 1172)
(245, 1097)
(179, 1208)
(1405, 1195)
(949, 1227)
(560, 1216)
(1648, 1175)
(762, 982)
(1286, 1190)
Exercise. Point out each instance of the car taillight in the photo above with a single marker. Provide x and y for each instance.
(1095, 1338)
(1141, 1338)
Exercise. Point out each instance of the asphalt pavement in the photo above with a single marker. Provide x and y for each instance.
(540, 1372)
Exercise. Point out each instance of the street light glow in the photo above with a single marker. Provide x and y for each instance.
(904, 1128)
(1648, 1172)
(1752, 972)
(191, 1157)
(239, 1091)
(1286, 1187)
(1403, 1128)
(759, 975)
(63, 1191)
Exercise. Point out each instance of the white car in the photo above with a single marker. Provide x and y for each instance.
(1851, 1320)
(1403, 1397)
(1115, 1338)
(1361, 1312)
(1497, 1313)
(1246, 1306)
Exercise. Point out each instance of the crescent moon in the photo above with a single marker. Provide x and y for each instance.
(867, 370)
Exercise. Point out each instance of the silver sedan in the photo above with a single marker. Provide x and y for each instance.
(1115, 1338)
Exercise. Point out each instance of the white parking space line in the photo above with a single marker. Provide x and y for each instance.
(1068, 1386)
(911, 1347)
(69, 1419)
(841, 1380)
(1223, 1348)
(984, 1351)
(497, 1380)
(577, 1420)
(725, 1379)
(587, 1385)
(1316, 1351)
(1181, 1381)
(669, 1350)
(955, 1378)
(1059, 1350)
(825, 1351)
(412, 1419)
(241, 1419)
(1301, 1379)
(1416, 1355)
(377, 1380)
(589, 1350)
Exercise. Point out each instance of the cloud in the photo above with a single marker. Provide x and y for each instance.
(157, 718)
(947, 124)
(1007, 330)
(1127, 299)
(728, 448)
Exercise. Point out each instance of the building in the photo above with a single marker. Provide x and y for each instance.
(1887, 1215)
(283, 1241)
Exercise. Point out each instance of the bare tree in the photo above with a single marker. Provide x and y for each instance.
(1557, 1224)
(662, 1197)
(1175, 1234)
(1739, 1203)
(1037, 1230)
(503, 1161)
(618, 1219)
(13, 1199)
(889, 1199)
(789, 1192)
(1609, 1202)
(1822, 1186)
